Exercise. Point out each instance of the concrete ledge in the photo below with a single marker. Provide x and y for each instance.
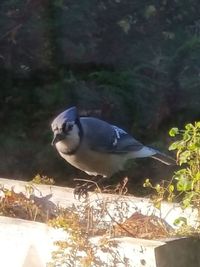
(29, 244)
(24, 243)
(64, 197)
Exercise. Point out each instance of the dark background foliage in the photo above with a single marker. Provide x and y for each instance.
(133, 63)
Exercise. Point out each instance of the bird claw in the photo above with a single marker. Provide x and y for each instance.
(81, 191)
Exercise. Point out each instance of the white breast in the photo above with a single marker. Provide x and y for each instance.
(96, 163)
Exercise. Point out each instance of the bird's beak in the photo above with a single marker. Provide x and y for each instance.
(57, 137)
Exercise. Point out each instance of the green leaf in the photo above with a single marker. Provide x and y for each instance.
(150, 11)
(189, 199)
(174, 131)
(184, 157)
(192, 146)
(171, 188)
(186, 136)
(183, 184)
(186, 202)
(189, 126)
(147, 183)
(197, 177)
(174, 145)
(180, 221)
(197, 124)
(125, 24)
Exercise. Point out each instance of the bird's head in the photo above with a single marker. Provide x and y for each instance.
(67, 131)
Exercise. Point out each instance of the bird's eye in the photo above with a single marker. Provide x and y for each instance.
(66, 127)
(70, 126)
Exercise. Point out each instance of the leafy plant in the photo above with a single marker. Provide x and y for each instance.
(185, 182)
(165, 190)
(41, 179)
(188, 157)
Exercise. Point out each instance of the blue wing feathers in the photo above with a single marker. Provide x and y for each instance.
(108, 138)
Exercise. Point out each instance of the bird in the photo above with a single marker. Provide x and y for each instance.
(96, 146)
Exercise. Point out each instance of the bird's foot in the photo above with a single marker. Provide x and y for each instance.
(81, 190)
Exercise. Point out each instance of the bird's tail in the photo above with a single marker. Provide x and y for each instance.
(164, 158)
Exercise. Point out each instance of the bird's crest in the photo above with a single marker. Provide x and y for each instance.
(69, 115)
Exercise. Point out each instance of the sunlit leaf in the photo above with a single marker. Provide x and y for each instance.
(184, 157)
(125, 25)
(180, 221)
(189, 126)
(174, 131)
(150, 11)
(174, 145)
(184, 184)
(171, 188)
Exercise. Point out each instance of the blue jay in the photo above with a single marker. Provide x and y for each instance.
(97, 147)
